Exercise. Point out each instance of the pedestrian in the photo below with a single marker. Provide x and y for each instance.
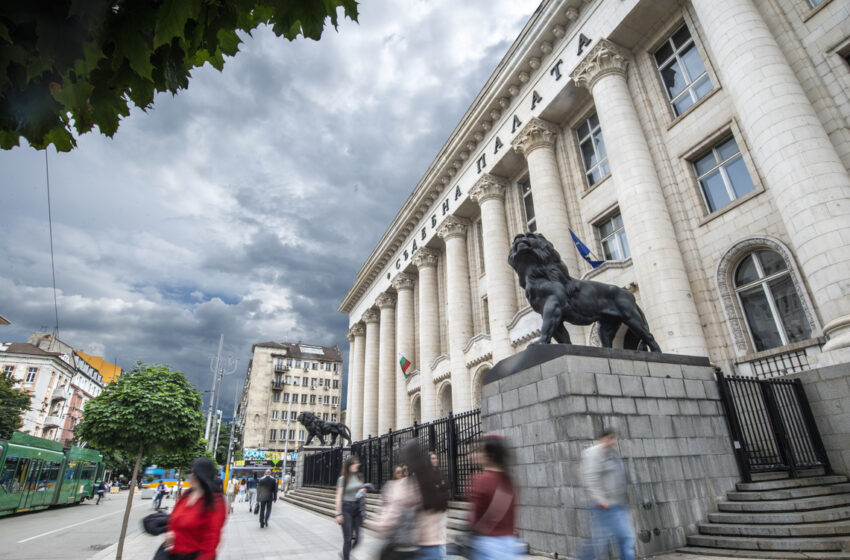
(232, 490)
(604, 476)
(286, 481)
(179, 487)
(101, 490)
(243, 489)
(159, 495)
(492, 498)
(194, 527)
(435, 464)
(414, 511)
(252, 491)
(219, 484)
(266, 494)
(347, 504)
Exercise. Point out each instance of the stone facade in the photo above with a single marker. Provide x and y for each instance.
(283, 380)
(602, 116)
(673, 438)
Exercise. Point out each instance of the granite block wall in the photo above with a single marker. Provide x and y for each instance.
(552, 402)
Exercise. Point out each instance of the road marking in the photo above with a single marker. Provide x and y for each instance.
(70, 526)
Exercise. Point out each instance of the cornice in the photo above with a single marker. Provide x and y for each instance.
(603, 59)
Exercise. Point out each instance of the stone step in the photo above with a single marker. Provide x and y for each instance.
(829, 544)
(790, 483)
(790, 493)
(771, 554)
(782, 518)
(798, 504)
(830, 529)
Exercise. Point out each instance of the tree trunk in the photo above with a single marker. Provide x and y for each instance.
(129, 503)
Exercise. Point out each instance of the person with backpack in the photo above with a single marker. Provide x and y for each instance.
(101, 490)
(251, 485)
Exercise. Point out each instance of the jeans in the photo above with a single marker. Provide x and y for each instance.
(157, 501)
(265, 511)
(252, 496)
(496, 548)
(615, 522)
(437, 552)
(99, 497)
(351, 521)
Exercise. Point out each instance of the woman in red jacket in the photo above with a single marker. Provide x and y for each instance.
(194, 527)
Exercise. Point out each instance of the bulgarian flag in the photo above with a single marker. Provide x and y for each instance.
(404, 363)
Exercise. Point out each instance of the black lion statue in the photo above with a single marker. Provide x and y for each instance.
(316, 427)
(557, 297)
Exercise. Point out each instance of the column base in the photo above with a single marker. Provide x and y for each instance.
(837, 332)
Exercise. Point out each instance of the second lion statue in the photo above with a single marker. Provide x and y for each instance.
(316, 427)
(558, 297)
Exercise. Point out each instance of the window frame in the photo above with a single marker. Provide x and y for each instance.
(589, 137)
(609, 217)
(675, 56)
(720, 165)
(523, 209)
(34, 371)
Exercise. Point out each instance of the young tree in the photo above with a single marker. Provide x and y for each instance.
(14, 403)
(150, 409)
(68, 65)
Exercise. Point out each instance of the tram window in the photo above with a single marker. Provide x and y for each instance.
(8, 474)
(71, 471)
(15, 474)
(88, 471)
(48, 477)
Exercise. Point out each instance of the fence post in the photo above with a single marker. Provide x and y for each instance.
(451, 448)
(738, 443)
(811, 425)
(389, 452)
(380, 457)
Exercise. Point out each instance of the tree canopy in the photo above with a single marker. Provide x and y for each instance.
(69, 65)
(14, 403)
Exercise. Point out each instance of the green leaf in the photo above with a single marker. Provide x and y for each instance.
(171, 20)
(133, 47)
(228, 41)
(61, 139)
(4, 33)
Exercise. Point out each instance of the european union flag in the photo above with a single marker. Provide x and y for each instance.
(584, 251)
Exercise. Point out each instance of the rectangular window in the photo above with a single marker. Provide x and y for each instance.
(31, 373)
(9, 371)
(335, 401)
(528, 205)
(315, 365)
(286, 397)
(304, 399)
(296, 381)
(723, 175)
(272, 435)
(336, 384)
(289, 362)
(283, 415)
(479, 236)
(291, 434)
(615, 246)
(278, 364)
(485, 315)
(325, 416)
(297, 363)
(274, 414)
(336, 368)
(592, 147)
(328, 366)
(333, 418)
(287, 379)
(327, 383)
(313, 382)
(300, 435)
(312, 399)
(326, 400)
(682, 70)
(275, 396)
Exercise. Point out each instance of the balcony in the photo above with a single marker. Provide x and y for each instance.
(52, 421)
(280, 368)
(61, 393)
(277, 384)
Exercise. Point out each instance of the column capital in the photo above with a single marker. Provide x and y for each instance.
(488, 186)
(536, 134)
(425, 257)
(371, 316)
(604, 58)
(385, 300)
(453, 227)
(357, 329)
(403, 281)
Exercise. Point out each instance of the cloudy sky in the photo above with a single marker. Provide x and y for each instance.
(246, 204)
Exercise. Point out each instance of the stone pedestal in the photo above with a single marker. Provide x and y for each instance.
(552, 401)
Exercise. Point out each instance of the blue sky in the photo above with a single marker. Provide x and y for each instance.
(247, 203)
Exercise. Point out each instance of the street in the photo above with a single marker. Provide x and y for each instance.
(73, 532)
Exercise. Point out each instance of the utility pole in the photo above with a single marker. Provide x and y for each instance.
(286, 440)
(233, 424)
(217, 432)
(214, 369)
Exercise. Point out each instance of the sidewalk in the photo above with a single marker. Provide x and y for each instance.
(293, 533)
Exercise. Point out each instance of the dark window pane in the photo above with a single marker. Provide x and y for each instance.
(681, 36)
(674, 80)
(681, 105)
(760, 319)
(790, 309)
(702, 87)
(771, 262)
(693, 62)
(727, 149)
(582, 130)
(662, 54)
(606, 229)
(608, 250)
(529, 207)
(532, 227)
(746, 272)
(739, 177)
(705, 163)
(600, 143)
(594, 121)
(588, 154)
(618, 221)
(715, 191)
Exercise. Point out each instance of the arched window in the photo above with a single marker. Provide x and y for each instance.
(772, 308)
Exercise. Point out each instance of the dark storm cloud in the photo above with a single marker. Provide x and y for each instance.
(246, 204)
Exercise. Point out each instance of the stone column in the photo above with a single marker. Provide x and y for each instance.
(489, 193)
(453, 232)
(386, 361)
(370, 373)
(354, 408)
(426, 261)
(790, 149)
(665, 289)
(405, 345)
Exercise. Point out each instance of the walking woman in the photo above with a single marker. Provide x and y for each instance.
(347, 504)
(421, 496)
(243, 488)
(194, 527)
(493, 500)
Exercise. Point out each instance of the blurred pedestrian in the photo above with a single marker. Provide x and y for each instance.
(243, 489)
(414, 511)
(252, 492)
(398, 472)
(347, 503)
(232, 490)
(266, 494)
(194, 527)
(435, 464)
(286, 482)
(219, 484)
(493, 500)
(101, 490)
(604, 475)
(159, 495)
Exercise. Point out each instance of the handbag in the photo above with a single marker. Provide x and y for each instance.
(155, 523)
(463, 544)
(163, 554)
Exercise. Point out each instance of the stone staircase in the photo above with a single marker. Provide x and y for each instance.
(782, 518)
(321, 501)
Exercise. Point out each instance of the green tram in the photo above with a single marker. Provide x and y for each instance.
(36, 473)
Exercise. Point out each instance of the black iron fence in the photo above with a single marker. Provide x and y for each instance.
(772, 425)
(452, 439)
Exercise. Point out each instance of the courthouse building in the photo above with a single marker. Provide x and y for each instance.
(285, 379)
(699, 147)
